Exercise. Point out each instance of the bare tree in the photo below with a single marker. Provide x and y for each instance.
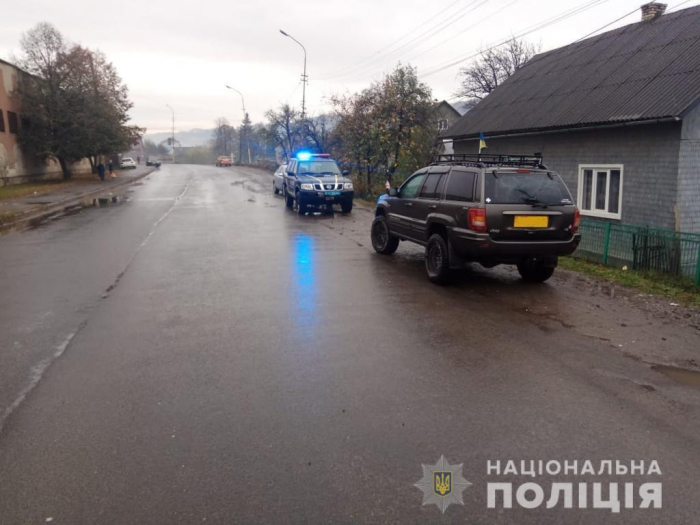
(493, 67)
(224, 137)
(317, 133)
(284, 129)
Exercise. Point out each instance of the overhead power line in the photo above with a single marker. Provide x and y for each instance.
(462, 31)
(378, 65)
(382, 55)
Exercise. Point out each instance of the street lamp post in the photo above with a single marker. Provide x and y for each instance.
(304, 79)
(240, 141)
(173, 111)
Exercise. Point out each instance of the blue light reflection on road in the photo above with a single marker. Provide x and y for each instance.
(304, 266)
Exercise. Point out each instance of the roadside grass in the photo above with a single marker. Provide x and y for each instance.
(30, 188)
(680, 291)
(366, 202)
(7, 217)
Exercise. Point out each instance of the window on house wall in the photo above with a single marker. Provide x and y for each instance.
(442, 124)
(600, 190)
(2, 122)
(12, 121)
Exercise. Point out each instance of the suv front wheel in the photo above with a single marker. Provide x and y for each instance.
(437, 259)
(382, 240)
(535, 270)
(300, 204)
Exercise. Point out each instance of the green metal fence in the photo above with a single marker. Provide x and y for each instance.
(641, 248)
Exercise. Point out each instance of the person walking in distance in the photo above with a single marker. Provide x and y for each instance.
(101, 171)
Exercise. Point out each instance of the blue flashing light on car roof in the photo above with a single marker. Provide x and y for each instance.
(303, 155)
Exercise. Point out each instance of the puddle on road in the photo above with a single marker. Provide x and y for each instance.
(680, 375)
(91, 202)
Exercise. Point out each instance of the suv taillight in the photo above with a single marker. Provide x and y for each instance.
(477, 219)
(577, 220)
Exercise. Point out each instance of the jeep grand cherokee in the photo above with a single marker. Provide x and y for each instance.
(481, 208)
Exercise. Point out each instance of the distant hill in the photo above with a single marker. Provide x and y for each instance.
(192, 137)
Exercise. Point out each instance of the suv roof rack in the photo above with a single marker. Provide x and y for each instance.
(481, 160)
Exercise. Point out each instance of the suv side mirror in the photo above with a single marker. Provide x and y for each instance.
(392, 192)
(290, 173)
(346, 173)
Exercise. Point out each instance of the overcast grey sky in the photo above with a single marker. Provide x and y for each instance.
(183, 54)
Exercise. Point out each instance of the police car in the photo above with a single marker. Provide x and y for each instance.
(314, 180)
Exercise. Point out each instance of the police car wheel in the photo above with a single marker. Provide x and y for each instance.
(300, 204)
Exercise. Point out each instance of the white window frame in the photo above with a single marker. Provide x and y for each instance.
(443, 124)
(579, 194)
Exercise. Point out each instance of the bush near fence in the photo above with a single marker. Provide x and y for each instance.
(641, 248)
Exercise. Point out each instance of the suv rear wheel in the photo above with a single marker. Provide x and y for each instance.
(535, 271)
(437, 259)
(382, 240)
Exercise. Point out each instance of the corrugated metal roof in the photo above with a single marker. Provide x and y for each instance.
(643, 71)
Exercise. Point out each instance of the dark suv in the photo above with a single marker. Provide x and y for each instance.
(490, 209)
(316, 180)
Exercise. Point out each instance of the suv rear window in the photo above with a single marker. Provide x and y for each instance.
(460, 187)
(518, 188)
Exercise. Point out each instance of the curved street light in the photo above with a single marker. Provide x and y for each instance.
(303, 78)
(173, 111)
(240, 139)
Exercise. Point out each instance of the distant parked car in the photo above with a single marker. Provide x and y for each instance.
(152, 162)
(127, 163)
(224, 162)
(278, 179)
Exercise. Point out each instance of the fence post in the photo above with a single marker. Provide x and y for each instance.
(606, 242)
(697, 267)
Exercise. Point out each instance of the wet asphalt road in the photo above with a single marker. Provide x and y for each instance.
(201, 354)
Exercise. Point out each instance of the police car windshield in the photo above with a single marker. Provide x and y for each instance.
(318, 167)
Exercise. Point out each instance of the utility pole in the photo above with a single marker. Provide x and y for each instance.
(173, 111)
(304, 79)
(240, 139)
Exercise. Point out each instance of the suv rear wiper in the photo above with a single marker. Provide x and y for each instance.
(534, 202)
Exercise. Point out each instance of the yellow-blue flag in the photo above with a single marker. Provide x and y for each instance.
(482, 142)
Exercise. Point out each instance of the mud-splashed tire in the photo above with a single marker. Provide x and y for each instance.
(437, 260)
(383, 241)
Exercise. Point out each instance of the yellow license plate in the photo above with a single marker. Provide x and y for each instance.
(531, 221)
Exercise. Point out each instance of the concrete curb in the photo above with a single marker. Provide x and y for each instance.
(65, 205)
